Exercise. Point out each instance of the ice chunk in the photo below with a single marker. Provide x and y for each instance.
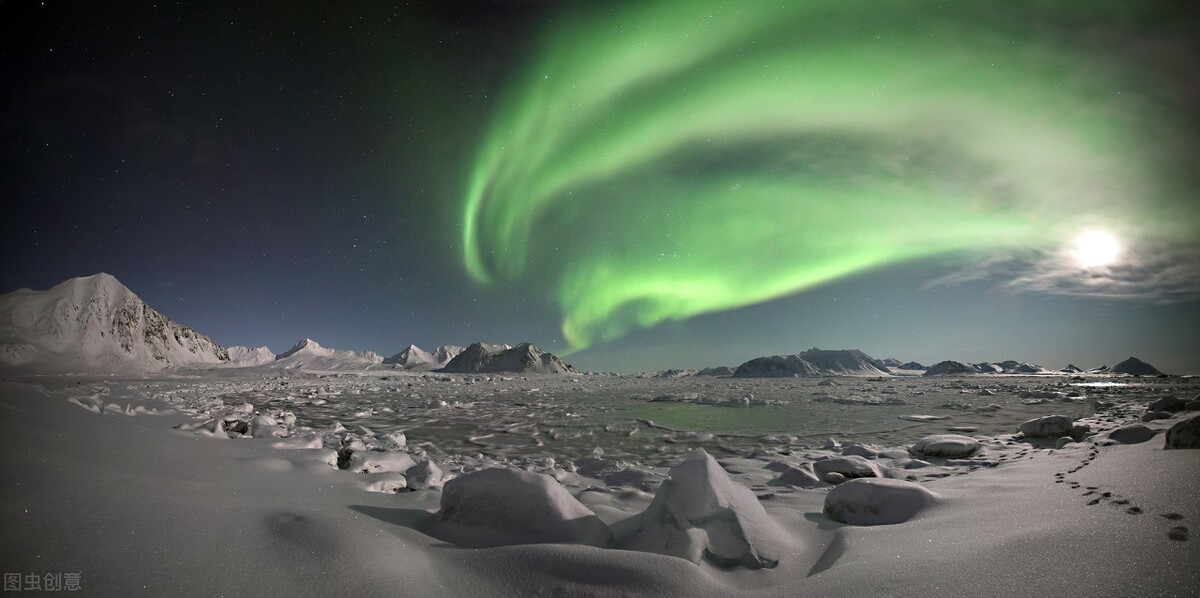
(700, 514)
(380, 462)
(425, 475)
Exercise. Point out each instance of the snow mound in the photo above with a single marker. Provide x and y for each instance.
(814, 362)
(523, 358)
(380, 462)
(700, 514)
(95, 323)
(877, 502)
(721, 370)
(945, 445)
(498, 507)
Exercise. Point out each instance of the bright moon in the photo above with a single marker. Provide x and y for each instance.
(1096, 248)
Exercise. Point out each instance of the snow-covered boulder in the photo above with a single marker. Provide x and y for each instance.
(877, 501)
(1185, 434)
(498, 507)
(1131, 434)
(699, 514)
(386, 483)
(1170, 403)
(851, 466)
(945, 445)
(1049, 426)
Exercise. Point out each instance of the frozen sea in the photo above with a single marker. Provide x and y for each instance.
(653, 421)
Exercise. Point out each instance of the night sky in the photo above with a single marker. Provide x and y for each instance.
(640, 185)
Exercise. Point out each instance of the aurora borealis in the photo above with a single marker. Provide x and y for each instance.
(640, 184)
(657, 161)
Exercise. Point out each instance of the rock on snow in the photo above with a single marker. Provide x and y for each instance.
(1131, 434)
(1185, 434)
(945, 445)
(1050, 426)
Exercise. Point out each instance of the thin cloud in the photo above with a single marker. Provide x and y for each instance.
(1147, 271)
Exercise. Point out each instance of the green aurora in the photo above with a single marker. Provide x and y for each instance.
(660, 160)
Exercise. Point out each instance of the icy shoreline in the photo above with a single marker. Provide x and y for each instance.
(138, 505)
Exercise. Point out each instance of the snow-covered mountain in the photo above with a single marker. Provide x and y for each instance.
(1136, 367)
(245, 356)
(443, 354)
(951, 368)
(310, 355)
(524, 358)
(814, 362)
(416, 358)
(95, 323)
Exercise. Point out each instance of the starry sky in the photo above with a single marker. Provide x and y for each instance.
(637, 185)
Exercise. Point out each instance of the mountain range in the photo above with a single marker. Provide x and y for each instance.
(96, 324)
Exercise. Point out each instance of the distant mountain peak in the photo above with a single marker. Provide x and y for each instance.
(523, 358)
(813, 362)
(307, 345)
(1135, 366)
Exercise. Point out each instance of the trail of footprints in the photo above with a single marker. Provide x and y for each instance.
(1096, 495)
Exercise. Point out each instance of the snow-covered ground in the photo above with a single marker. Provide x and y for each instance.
(269, 482)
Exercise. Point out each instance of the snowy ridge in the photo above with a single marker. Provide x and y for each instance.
(416, 358)
(814, 362)
(95, 323)
(245, 356)
(310, 355)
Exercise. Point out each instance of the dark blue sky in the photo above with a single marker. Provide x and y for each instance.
(264, 173)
